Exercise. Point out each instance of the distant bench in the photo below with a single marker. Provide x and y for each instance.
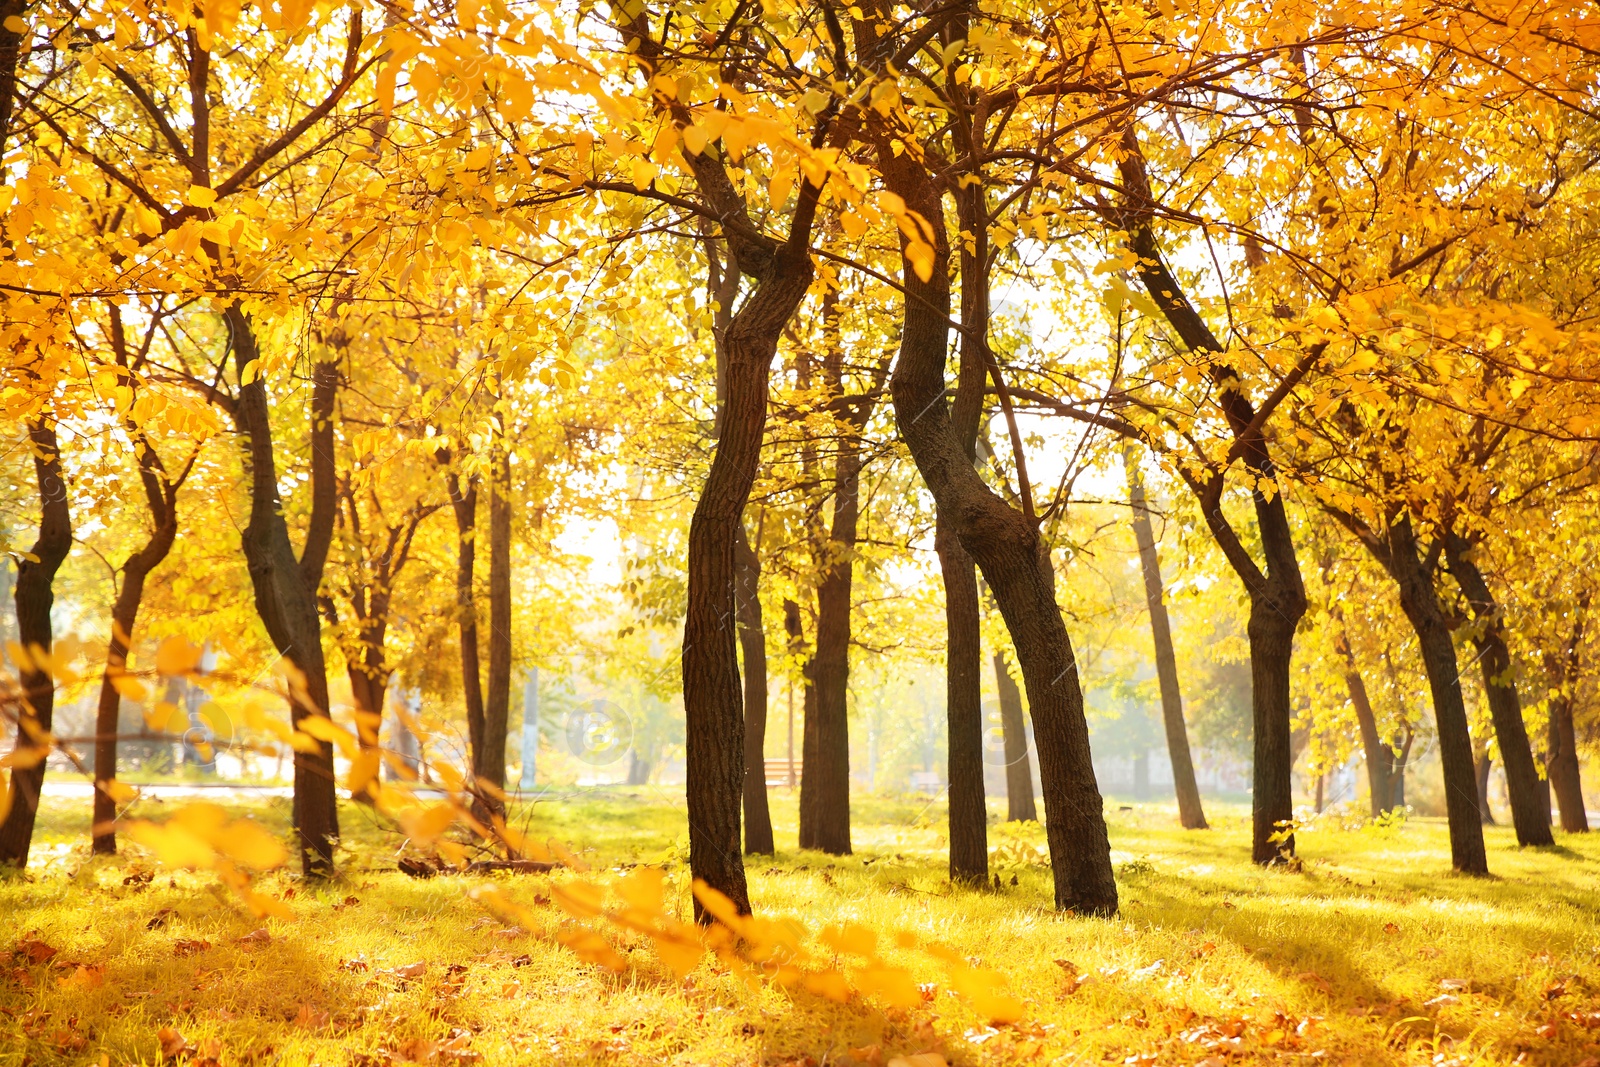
(781, 772)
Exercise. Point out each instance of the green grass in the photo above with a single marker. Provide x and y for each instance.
(1212, 960)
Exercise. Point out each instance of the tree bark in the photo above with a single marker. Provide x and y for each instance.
(1014, 734)
(1530, 813)
(464, 503)
(1565, 778)
(1484, 766)
(34, 596)
(1007, 546)
(1191, 815)
(285, 597)
(1380, 758)
(490, 765)
(1277, 592)
(1398, 553)
(758, 839)
(969, 838)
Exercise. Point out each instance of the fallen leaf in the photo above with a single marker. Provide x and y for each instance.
(1548, 1031)
(256, 937)
(159, 919)
(1443, 1000)
(1453, 983)
(35, 951)
(920, 1059)
(87, 976)
(1205, 950)
(411, 970)
(1554, 990)
(310, 1018)
(173, 1044)
(872, 1054)
(187, 947)
(1390, 928)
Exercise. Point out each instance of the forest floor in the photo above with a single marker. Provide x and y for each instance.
(1372, 952)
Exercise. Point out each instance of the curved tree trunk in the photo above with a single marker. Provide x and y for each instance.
(1007, 546)
(753, 642)
(1379, 756)
(34, 595)
(285, 596)
(124, 613)
(1190, 813)
(969, 838)
(1530, 811)
(1014, 733)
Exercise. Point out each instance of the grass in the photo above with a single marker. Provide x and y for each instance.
(1212, 961)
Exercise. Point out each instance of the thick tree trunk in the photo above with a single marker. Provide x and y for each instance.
(969, 832)
(464, 502)
(491, 758)
(753, 641)
(34, 595)
(1564, 768)
(1007, 546)
(1190, 813)
(1271, 634)
(1419, 600)
(1014, 735)
(1530, 812)
(286, 602)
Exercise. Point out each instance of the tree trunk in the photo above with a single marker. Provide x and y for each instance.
(1420, 602)
(1565, 777)
(825, 792)
(124, 613)
(969, 830)
(1379, 756)
(1530, 812)
(1485, 765)
(1564, 767)
(1014, 733)
(1271, 634)
(491, 758)
(35, 594)
(1007, 546)
(1190, 813)
(464, 502)
(753, 641)
(713, 696)
(286, 602)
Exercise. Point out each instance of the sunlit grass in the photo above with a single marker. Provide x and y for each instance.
(1212, 958)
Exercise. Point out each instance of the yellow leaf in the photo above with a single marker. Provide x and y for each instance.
(581, 900)
(249, 844)
(363, 771)
(15, 24)
(177, 656)
(851, 938)
(644, 172)
(829, 984)
(200, 196)
(893, 985)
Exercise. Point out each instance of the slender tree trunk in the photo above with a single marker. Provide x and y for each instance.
(1565, 776)
(1190, 813)
(285, 596)
(124, 613)
(35, 594)
(1485, 765)
(491, 765)
(464, 502)
(1014, 733)
(1420, 602)
(969, 843)
(810, 721)
(1007, 546)
(825, 796)
(753, 641)
(1379, 756)
(1530, 812)
(1271, 635)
